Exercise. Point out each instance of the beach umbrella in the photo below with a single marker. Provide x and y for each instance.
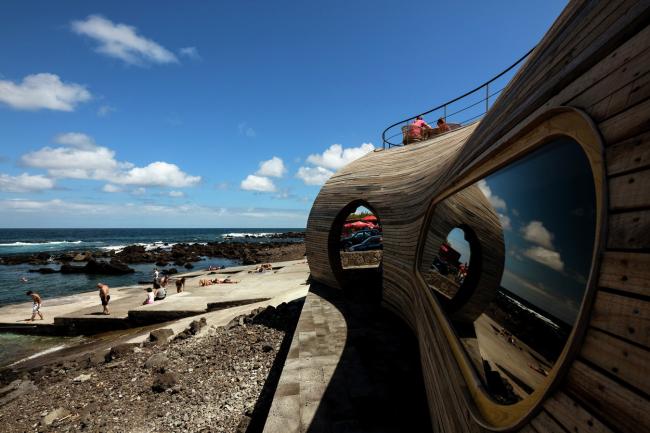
(369, 218)
(357, 225)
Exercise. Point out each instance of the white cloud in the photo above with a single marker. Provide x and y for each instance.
(76, 211)
(122, 41)
(78, 140)
(536, 233)
(139, 191)
(336, 157)
(105, 110)
(246, 130)
(546, 257)
(111, 188)
(257, 183)
(314, 175)
(158, 173)
(506, 223)
(274, 167)
(82, 158)
(25, 183)
(331, 160)
(78, 161)
(496, 201)
(42, 91)
(176, 194)
(190, 52)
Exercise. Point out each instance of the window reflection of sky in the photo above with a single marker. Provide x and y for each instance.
(546, 204)
(456, 239)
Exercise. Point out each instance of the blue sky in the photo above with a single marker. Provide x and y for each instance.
(222, 114)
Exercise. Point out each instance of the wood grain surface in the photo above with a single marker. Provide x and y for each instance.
(594, 59)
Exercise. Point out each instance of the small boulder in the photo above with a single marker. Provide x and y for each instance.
(44, 270)
(82, 378)
(197, 325)
(121, 350)
(92, 359)
(54, 415)
(161, 336)
(156, 362)
(188, 265)
(163, 381)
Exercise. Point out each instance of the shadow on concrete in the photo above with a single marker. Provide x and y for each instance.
(377, 385)
(263, 403)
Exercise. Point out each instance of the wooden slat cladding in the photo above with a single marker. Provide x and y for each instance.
(543, 423)
(628, 272)
(628, 318)
(572, 416)
(596, 57)
(617, 405)
(629, 231)
(629, 155)
(629, 191)
(620, 358)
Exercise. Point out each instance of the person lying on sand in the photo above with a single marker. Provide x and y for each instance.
(207, 282)
(262, 268)
(180, 285)
(150, 296)
(36, 306)
(104, 296)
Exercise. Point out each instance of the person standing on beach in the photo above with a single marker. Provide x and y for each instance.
(36, 306)
(156, 275)
(104, 296)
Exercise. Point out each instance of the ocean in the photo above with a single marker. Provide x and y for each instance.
(27, 241)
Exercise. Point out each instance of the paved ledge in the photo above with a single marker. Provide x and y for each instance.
(351, 367)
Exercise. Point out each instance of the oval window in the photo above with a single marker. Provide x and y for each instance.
(508, 259)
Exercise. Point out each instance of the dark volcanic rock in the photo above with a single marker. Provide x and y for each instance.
(121, 350)
(157, 362)
(113, 267)
(163, 381)
(179, 254)
(44, 270)
(169, 271)
(161, 336)
(188, 265)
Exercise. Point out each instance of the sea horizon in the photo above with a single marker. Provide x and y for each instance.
(15, 242)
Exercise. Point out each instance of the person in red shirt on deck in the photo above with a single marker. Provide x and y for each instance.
(418, 130)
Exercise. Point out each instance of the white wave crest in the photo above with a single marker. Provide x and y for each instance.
(250, 235)
(33, 244)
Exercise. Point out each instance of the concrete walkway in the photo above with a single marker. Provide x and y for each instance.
(352, 367)
(81, 313)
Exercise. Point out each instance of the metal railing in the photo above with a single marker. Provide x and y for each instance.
(476, 109)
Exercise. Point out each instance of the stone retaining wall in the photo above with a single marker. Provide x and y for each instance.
(361, 258)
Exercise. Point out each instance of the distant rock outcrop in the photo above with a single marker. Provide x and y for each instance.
(113, 267)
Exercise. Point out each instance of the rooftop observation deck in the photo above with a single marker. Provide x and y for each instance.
(457, 112)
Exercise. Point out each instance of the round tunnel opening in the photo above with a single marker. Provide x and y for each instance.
(356, 249)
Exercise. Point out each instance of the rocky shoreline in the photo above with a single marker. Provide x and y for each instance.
(115, 262)
(204, 379)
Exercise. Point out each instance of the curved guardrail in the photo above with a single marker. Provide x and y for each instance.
(444, 108)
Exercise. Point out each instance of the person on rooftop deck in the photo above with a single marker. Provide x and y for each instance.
(442, 125)
(418, 130)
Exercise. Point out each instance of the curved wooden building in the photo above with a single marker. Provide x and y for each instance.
(585, 86)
